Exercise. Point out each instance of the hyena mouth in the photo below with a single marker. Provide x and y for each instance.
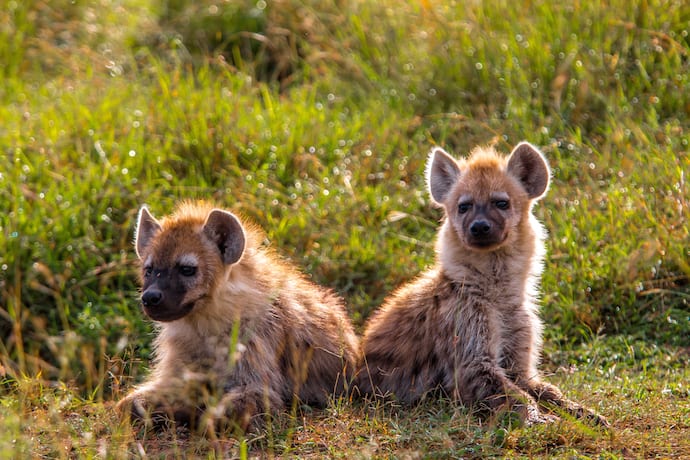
(167, 315)
(487, 243)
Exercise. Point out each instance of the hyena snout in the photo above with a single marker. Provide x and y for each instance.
(162, 305)
(152, 298)
(480, 228)
(484, 233)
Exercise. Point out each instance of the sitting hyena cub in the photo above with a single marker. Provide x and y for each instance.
(241, 333)
(469, 326)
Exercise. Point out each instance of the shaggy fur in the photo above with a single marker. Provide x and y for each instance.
(240, 332)
(469, 326)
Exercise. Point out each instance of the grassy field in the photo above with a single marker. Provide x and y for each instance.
(314, 119)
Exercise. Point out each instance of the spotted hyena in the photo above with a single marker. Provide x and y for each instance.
(241, 333)
(469, 326)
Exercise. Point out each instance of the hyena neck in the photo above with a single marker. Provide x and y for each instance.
(515, 267)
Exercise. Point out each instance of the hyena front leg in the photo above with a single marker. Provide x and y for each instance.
(548, 394)
(156, 406)
(487, 386)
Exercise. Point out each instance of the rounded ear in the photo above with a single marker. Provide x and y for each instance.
(225, 230)
(442, 171)
(147, 227)
(530, 167)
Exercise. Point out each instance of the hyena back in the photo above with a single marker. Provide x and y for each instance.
(469, 325)
(240, 332)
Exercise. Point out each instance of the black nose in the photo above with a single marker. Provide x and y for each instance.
(152, 298)
(480, 228)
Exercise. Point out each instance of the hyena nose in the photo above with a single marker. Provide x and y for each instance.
(152, 298)
(480, 228)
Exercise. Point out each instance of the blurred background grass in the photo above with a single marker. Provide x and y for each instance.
(314, 119)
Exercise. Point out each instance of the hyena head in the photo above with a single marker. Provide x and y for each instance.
(183, 256)
(487, 197)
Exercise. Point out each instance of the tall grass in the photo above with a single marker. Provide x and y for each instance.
(314, 119)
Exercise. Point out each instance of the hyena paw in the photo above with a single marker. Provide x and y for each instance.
(234, 411)
(155, 412)
(543, 419)
(536, 417)
(545, 392)
(583, 413)
(592, 417)
(551, 398)
(133, 405)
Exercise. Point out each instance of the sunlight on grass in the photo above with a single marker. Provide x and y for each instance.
(314, 119)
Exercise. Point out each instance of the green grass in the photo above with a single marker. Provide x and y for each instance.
(314, 119)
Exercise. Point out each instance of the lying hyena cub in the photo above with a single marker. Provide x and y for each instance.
(241, 333)
(469, 326)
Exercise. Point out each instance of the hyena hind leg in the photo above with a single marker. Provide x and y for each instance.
(549, 395)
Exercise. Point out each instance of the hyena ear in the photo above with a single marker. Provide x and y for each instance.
(147, 227)
(530, 167)
(225, 230)
(442, 171)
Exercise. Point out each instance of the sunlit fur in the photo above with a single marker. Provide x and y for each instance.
(293, 337)
(468, 327)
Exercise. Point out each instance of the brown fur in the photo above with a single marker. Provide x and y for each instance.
(469, 326)
(291, 337)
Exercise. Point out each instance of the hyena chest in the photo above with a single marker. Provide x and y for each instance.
(215, 355)
(498, 336)
(510, 338)
(488, 327)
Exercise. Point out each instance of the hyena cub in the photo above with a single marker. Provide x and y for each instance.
(469, 326)
(240, 332)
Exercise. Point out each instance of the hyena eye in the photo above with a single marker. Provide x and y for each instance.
(464, 207)
(502, 204)
(187, 270)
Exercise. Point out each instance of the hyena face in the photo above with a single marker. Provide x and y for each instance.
(487, 197)
(481, 220)
(182, 259)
